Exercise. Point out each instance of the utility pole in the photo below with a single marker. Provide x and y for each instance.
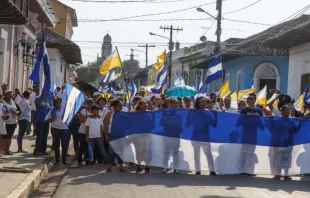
(219, 21)
(171, 45)
(146, 52)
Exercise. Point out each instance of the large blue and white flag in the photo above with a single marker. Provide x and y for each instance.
(213, 141)
(179, 81)
(35, 75)
(72, 100)
(161, 81)
(215, 70)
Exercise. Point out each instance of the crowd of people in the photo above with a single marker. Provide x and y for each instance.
(92, 125)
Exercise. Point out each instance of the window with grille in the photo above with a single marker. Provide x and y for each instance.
(305, 80)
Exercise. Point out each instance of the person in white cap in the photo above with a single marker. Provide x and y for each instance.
(96, 95)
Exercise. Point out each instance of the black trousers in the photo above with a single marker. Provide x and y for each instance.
(60, 136)
(83, 148)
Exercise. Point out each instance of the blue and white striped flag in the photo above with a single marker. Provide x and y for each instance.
(161, 81)
(133, 90)
(215, 70)
(35, 75)
(179, 81)
(72, 100)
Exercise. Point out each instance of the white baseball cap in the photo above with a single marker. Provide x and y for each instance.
(96, 93)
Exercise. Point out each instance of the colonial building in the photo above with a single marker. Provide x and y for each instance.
(20, 21)
(277, 57)
(64, 54)
(296, 38)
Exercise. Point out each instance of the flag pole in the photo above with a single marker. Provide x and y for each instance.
(122, 71)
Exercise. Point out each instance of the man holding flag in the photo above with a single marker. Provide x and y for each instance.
(43, 103)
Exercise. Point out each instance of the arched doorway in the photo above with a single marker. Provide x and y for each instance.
(268, 74)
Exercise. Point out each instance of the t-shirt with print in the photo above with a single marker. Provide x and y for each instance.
(247, 110)
(42, 111)
(94, 125)
(58, 123)
(82, 128)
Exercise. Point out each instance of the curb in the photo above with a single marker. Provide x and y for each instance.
(32, 181)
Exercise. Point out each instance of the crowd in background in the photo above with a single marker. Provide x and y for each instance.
(92, 125)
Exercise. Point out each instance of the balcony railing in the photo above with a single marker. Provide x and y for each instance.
(14, 12)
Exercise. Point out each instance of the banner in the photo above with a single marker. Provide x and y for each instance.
(213, 141)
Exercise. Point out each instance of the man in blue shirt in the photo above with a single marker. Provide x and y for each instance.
(251, 110)
(43, 107)
(249, 136)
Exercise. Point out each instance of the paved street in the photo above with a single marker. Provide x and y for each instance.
(88, 182)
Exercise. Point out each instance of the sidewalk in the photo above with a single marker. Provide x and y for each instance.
(21, 184)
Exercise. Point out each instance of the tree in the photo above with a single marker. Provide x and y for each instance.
(87, 74)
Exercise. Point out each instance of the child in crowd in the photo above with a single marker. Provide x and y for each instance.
(94, 132)
(82, 116)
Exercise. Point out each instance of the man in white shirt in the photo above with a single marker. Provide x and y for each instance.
(227, 106)
(33, 97)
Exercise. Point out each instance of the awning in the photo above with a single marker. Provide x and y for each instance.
(69, 50)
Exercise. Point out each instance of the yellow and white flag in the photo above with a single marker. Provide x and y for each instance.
(261, 97)
(245, 92)
(225, 89)
(113, 61)
(161, 60)
(299, 105)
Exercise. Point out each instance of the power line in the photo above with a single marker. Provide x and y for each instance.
(243, 7)
(131, 1)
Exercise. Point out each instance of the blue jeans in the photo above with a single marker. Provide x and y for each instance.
(60, 135)
(23, 124)
(41, 141)
(97, 143)
(113, 156)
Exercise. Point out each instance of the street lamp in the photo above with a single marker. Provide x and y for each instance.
(217, 48)
(202, 10)
(153, 34)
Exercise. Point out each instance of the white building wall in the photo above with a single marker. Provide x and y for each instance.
(57, 76)
(299, 64)
(69, 27)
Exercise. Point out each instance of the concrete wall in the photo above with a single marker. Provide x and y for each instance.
(246, 67)
(299, 64)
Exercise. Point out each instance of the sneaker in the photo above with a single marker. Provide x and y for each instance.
(21, 151)
(212, 173)
(147, 169)
(109, 170)
(165, 171)
(139, 169)
(46, 153)
(176, 171)
(37, 154)
(277, 177)
(287, 178)
(64, 163)
(198, 173)
(251, 175)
